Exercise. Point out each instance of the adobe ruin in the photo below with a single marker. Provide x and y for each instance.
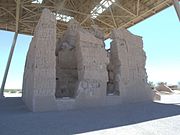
(77, 71)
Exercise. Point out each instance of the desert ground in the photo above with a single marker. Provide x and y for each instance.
(149, 118)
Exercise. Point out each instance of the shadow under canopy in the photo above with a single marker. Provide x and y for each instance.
(15, 118)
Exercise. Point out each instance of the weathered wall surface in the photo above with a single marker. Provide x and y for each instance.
(92, 73)
(66, 66)
(163, 87)
(128, 76)
(77, 72)
(39, 76)
(82, 60)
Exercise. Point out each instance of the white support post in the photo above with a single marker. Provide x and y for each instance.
(8, 65)
(12, 49)
(177, 7)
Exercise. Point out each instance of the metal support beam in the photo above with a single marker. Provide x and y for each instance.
(104, 23)
(177, 7)
(8, 64)
(138, 1)
(118, 5)
(134, 20)
(8, 12)
(12, 49)
(87, 17)
(113, 17)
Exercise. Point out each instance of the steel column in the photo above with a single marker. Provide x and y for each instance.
(8, 64)
(12, 49)
(177, 7)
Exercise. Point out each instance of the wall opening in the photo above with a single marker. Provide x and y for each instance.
(111, 86)
(66, 73)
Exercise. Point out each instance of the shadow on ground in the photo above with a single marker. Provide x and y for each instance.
(15, 119)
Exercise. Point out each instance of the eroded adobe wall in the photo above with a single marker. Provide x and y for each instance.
(66, 66)
(127, 66)
(79, 68)
(92, 70)
(39, 75)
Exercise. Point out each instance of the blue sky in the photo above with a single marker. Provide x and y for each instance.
(161, 43)
(161, 36)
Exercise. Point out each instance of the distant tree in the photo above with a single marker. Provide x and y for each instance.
(160, 83)
(151, 84)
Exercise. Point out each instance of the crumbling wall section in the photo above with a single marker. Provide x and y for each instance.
(92, 70)
(66, 66)
(127, 64)
(39, 74)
